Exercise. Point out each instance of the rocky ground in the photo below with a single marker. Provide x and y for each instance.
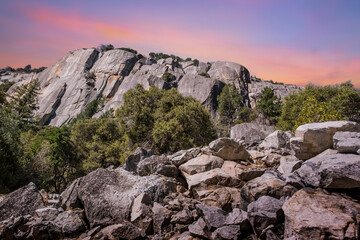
(305, 186)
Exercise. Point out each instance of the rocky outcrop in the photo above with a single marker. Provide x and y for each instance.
(316, 214)
(251, 133)
(21, 202)
(314, 138)
(347, 142)
(229, 149)
(84, 75)
(277, 139)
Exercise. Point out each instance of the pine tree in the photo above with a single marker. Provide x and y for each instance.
(23, 101)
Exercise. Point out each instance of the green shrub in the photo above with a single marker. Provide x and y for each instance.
(196, 62)
(129, 50)
(205, 74)
(90, 75)
(168, 77)
(269, 105)
(164, 120)
(188, 59)
(318, 104)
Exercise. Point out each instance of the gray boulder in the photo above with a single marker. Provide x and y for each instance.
(157, 164)
(206, 90)
(316, 214)
(107, 194)
(263, 212)
(214, 217)
(238, 217)
(141, 212)
(331, 171)
(313, 138)
(347, 142)
(183, 156)
(278, 139)
(226, 233)
(251, 133)
(269, 184)
(199, 229)
(162, 217)
(124, 230)
(132, 161)
(201, 164)
(229, 149)
(47, 214)
(69, 223)
(21, 202)
(289, 164)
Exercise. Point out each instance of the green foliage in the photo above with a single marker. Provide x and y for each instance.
(318, 104)
(168, 77)
(9, 151)
(230, 103)
(23, 102)
(129, 50)
(196, 62)
(5, 86)
(164, 119)
(188, 59)
(89, 111)
(50, 158)
(90, 75)
(270, 105)
(205, 74)
(100, 143)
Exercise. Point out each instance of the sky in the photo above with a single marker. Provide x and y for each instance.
(296, 42)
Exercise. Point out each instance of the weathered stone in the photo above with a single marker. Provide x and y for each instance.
(331, 171)
(141, 213)
(203, 89)
(347, 142)
(288, 164)
(229, 149)
(70, 223)
(183, 156)
(313, 138)
(124, 230)
(251, 133)
(47, 213)
(107, 194)
(133, 160)
(214, 217)
(238, 217)
(271, 160)
(199, 229)
(211, 179)
(226, 233)
(250, 173)
(277, 139)
(182, 217)
(268, 184)
(69, 196)
(23, 201)
(220, 198)
(201, 164)
(315, 214)
(263, 212)
(162, 217)
(156, 164)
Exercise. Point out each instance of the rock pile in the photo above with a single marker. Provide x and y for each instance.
(226, 190)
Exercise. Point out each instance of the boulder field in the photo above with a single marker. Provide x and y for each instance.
(230, 189)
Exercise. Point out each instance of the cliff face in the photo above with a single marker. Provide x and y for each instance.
(83, 75)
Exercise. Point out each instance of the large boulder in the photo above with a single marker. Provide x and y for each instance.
(347, 142)
(289, 164)
(69, 223)
(183, 156)
(206, 90)
(229, 149)
(107, 194)
(201, 164)
(157, 164)
(251, 132)
(331, 171)
(21, 202)
(267, 184)
(313, 138)
(124, 230)
(214, 217)
(316, 214)
(278, 139)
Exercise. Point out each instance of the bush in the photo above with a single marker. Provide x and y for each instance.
(164, 120)
(168, 77)
(105, 47)
(188, 59)
(196, 62)
(269, 105)
(129, 50)
(205, 74)
(318, 104)
(90, 75)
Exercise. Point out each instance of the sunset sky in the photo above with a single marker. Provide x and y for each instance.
(298, 42)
